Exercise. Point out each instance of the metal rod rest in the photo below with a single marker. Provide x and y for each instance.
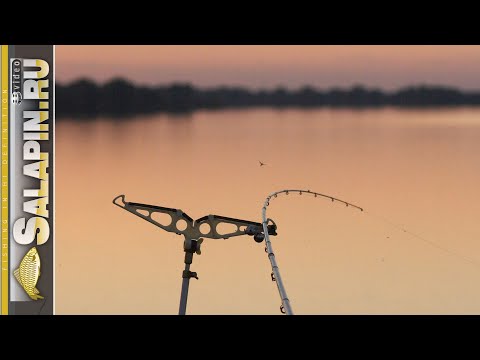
(193, 237)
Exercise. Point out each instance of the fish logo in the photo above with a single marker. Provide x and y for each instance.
(28, 273)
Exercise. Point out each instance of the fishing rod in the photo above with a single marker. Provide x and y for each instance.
(286, 307)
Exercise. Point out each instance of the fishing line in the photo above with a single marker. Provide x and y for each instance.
(286, 307)
(414, 235)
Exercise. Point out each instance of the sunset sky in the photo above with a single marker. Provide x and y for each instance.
(387, 67)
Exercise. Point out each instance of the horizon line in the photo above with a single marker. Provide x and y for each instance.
(274, 88)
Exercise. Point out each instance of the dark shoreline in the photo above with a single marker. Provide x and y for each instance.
(120, 98)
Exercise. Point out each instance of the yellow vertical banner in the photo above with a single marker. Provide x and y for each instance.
(4, 167)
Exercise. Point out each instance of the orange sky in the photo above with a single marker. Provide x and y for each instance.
(269, 66)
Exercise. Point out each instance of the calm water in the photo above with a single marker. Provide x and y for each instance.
(418, 168)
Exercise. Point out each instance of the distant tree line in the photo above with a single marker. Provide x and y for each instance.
(85, 98)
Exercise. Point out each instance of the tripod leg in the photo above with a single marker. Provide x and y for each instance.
(190, 247)
(184, 295)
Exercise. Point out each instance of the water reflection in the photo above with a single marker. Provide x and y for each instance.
(417, 167)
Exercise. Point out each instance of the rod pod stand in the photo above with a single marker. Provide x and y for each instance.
(192, 234)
